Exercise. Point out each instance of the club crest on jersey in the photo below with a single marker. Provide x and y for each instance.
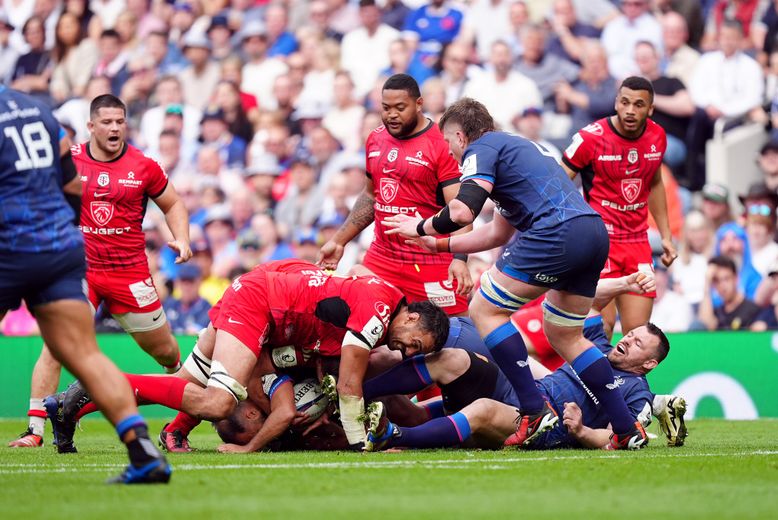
(632, 156)
(389, 189)
(630, 188)
(392, 155)
(103, 179)
(101, 211)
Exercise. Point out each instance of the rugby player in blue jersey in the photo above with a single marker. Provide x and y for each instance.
(561, 250)
(42, 262)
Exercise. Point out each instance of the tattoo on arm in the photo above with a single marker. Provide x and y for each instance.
(363, 212)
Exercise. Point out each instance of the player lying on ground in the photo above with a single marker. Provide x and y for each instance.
(488, 422)
(277, 304)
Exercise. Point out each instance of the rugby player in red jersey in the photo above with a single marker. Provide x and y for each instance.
(619, 159)
(117, 182)
(282, 303)
(409, 171)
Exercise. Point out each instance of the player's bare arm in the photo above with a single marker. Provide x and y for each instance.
(177, 219)
(609, 288)
(458, 270)
(491, 235)
(588, 437)
(569, 171)
(361, 216)
(657, 205)
(282, 412)
(353, 365)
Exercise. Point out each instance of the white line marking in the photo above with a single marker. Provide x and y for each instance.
(491, 463)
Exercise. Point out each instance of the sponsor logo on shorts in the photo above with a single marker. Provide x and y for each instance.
(230, 320)
(144, 292)
(158, 316)
(630, 189)
(544, 278)
(388, 189)
(440, 293)
(284, 357)
(101, 211)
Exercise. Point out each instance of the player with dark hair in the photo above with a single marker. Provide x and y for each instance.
(489, 421)
(409, 171)
(118, 181)
(561, 250)
(619, 159)
(280, 304)
(42, 263)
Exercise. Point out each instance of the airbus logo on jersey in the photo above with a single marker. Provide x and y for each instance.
(630, 189)
(388, 189)
(103, 179)
(609, 157)
(101, 211)
(392, 155)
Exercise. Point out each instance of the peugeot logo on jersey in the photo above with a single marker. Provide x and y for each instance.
(389, 189)
(101, 211)
(392, 155)
(630, 188)
(102, 179)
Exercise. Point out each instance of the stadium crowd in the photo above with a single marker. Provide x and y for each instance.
(259, 110)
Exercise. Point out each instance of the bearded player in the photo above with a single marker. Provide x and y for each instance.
(619, 159)
(117, 182)
(409, 171)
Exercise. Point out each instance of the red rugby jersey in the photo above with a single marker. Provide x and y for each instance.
(617, 173)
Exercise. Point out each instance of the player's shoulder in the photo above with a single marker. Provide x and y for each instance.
(596, 130)
(378, 135)
(654, 130)
(78, 151)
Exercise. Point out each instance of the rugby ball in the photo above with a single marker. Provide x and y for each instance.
(309, 399)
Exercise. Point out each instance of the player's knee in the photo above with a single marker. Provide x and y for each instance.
(224, 390)
(198, 365)
(219, 405)
(478, 413)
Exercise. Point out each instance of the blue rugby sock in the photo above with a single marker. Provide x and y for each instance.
(596, 373)
(509, 351)
(408, 377)
(437, 433)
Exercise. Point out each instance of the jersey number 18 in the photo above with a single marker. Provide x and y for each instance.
(33, 146)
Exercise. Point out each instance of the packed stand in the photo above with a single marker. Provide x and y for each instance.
(258, 110)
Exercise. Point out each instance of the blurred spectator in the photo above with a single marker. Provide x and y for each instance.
(319, 19)
(365, 50)
(169, 99)
(747, 13)
(74, 57)
(214, 131)
(33, 70)
(226, 98)
(75, 112)
(767, 297)
(136, 90)
(260, 70)
(596, 12)
(732, 242)
(568, 32)
(454, 73)
(765, 33)
(188, 313)
(591, 97)
(768, 165)
(302, 203)
(529, 125)
(394, 13)
(671, 312)
(545, 69)
(519, 18)
(344, 118)
(201, 76)
(8, 55)
(434, 93)
(715, 205)
(690, 10)
(760, 213)
(127, 28)
(249, 250)
(305, 244)
(261, 173)
(726, 83)
(736, 311)
(431, 27)
(679, 59)
(484, 23)
(620, 35)
(112, 60)
(271, 245)
(286, 93)
(319, 80)
(212, 286)
(281, 41)
(695, 249)
(672, 104)
(403, 61)
(220, 38)
(504, 91)
(344, 16)
(220, 233)
(107, 11)
(167, 57)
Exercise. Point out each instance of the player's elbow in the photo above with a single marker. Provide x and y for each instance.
(461, 214)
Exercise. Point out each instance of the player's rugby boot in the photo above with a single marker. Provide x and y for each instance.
(531, 426)
(380, 431)
(155, 472)
(329, 387)
(174, 442)
(27, 439)
(669, 410)
(633, 440)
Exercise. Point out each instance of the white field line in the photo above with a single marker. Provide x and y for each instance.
(490, 464)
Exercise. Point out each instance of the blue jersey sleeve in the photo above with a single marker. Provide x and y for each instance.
(480, 162)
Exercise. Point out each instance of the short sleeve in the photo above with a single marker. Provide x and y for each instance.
(370, 316)
(578, 154)
(157, 179)
(480, 162)
(448, 169)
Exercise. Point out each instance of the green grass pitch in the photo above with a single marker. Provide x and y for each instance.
(726, 470)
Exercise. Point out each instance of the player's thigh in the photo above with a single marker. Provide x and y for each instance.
(634, 310)
(499, 296)
(67, 328)
(492, 421)
(234, 355)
